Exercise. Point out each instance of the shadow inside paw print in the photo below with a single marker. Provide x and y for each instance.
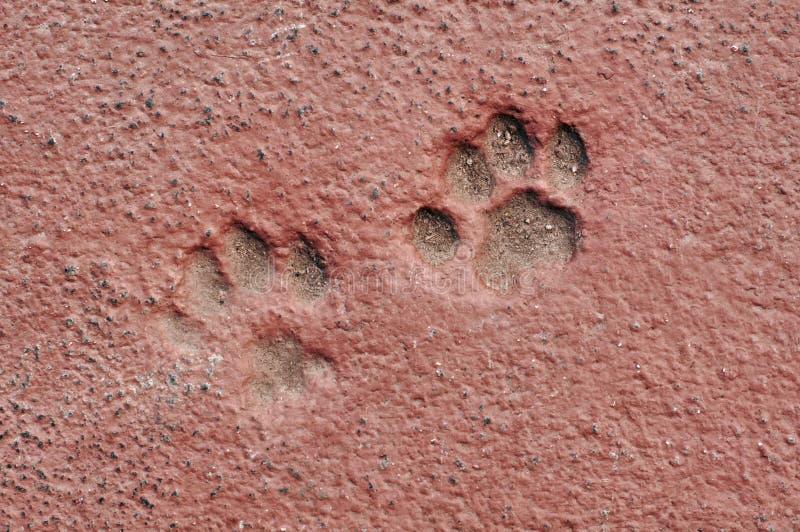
(524, 231)
(242, 263)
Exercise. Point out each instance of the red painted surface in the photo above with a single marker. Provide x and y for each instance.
(652, 381)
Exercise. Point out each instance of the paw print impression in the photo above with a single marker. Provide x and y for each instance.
(434, 235)
(525, 233)
(306, 269)
(507, 147)
(181, 330)
(250, 265)
(468, 175)
(206, 288)
(523, 229)
(282, 367)
(233, 269)
(568, 160)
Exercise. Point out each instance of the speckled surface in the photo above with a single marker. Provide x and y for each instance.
(651, 381)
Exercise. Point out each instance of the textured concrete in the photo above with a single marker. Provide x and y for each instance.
(214, 312)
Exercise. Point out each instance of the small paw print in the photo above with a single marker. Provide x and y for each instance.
(523, 231)
(219, 283)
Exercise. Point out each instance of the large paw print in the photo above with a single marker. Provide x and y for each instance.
(221, 276)
(524, 231)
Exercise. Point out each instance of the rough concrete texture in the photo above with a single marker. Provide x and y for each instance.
(650, 381)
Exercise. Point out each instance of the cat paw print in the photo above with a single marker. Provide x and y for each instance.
(220, 282)
(501, 193)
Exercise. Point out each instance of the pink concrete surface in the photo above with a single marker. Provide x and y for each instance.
(650, 382)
